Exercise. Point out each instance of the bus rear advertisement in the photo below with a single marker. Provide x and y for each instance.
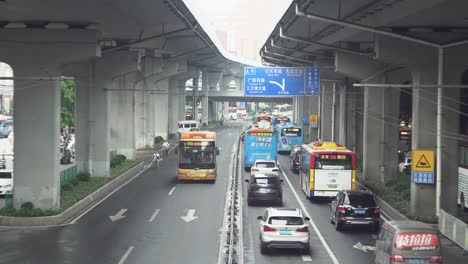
(326, 168)
(259, 143)
(289, 136)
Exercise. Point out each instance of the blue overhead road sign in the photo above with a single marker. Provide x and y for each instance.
(290, 81)
(312, 85)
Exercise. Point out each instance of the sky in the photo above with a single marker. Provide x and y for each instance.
(246, 24)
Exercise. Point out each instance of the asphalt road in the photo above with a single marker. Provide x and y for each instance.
(152, 230)
(341, 244)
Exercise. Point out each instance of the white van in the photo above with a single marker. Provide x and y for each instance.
(187, 125)
(6, 181)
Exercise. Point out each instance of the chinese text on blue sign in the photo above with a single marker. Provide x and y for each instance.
(292, 81)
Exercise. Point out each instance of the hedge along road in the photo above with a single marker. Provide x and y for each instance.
(140, 223)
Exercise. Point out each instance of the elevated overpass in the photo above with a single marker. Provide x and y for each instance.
(372, 48)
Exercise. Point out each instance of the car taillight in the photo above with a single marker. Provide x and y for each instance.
(377, 210)
(341, 209)
(397, 258)
(303, 229)
(268, 229)
(437, 259)
(254, 170)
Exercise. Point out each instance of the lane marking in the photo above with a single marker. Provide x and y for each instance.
(125, 256)
(172, 190)
(107, 196)
(311, 222)
(306, 258)
(154, 215)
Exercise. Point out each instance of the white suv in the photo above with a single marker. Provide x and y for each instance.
(264, 166)
(284, 228)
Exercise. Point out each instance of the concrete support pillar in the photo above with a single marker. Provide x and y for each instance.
(351, 119)
(122, 117)
(36, 141)
(326, 112)
(141, 100)
(37, 106)
(314, 109)
(182, 100)
(161, 104)
(423, 136)
(381, 128)
(343, 110)
(204, 101)
(305, 113)
(174, 107)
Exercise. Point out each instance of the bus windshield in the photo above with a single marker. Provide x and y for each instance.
(291, 132)
(333, 162)
(199, 157)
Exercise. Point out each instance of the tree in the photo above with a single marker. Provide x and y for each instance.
(67, 112)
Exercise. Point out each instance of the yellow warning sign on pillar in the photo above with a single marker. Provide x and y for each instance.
(423, 160)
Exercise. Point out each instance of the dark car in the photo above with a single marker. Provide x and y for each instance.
(354, 208)
(265, 187)
(295, 162)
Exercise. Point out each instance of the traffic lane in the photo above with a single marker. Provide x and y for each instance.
(95, 239)
(252, 254)
(341, 242)
(173, 240)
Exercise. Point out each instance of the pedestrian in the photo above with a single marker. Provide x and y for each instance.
(156, 158)
(166, 148)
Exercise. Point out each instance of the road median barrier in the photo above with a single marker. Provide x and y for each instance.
(68, 214)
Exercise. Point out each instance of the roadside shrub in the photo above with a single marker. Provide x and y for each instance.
(120, 157)
(114, 162)
(27, 206)
(83, 176)
(67, 187)
(158, 140)
(74, 181)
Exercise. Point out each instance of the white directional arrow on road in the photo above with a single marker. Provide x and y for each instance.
(118, 215)
(190, 216)
(364, 248)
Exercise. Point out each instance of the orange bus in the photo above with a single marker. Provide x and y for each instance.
(264, 121)
(326, 168)
(197, 156)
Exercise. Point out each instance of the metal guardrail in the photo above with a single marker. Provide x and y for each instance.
(454, 229)
(231, 239)
(67, 175)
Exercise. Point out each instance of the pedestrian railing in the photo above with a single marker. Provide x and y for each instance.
(67, 175)
(454, 229)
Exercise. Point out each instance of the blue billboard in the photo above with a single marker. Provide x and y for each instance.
(275, 81)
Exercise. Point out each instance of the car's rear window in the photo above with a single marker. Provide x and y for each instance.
(265, 165)
(417, 241)
(5, 175)
(266, 180)
(360, 200)
(285, 220)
